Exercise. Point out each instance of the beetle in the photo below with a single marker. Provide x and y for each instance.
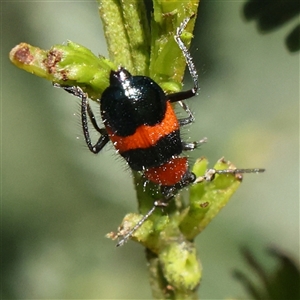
(140, 121)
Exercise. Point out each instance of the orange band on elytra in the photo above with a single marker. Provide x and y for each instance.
(169, 173)
(146, 136)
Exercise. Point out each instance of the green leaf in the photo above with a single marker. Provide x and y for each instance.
(167, 63)
(69, 65)
(281, 283)
(208, 198)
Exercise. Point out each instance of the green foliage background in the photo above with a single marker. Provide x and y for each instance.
(58, 200)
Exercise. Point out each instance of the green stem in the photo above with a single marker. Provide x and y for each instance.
(127, 33)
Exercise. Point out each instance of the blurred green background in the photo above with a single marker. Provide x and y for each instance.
(59, 200)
